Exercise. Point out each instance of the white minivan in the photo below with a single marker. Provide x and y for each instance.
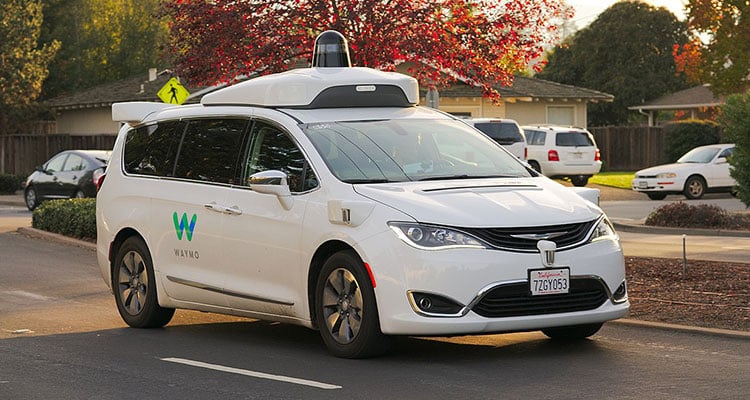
(326, 197)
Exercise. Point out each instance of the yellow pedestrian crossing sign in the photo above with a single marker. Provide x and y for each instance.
(173, 92)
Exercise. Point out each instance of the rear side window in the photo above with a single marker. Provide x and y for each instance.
(151, 150)
(573, 139)
(501, 132)
(535, 138)
(75, 163)
(210, 150)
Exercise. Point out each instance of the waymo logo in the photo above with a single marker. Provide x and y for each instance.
(181, 225)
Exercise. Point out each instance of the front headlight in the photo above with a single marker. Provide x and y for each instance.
(666, 175)
(603, 231)
(429, 237)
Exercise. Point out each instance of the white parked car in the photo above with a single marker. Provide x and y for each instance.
(326, 197)
(563, 152)
(701, 170)
(504, 132)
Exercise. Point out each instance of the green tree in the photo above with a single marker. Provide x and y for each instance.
(102, 40)
(23, 63)
(627, 52)
(720, 51)
(735, 117)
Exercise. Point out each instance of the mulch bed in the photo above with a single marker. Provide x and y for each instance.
(710, 294)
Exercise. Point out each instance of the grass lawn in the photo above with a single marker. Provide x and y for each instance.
(615, 179)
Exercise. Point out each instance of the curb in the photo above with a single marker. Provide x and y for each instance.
(55, 237)
(683, 328)
(638, 227)
(40, 234)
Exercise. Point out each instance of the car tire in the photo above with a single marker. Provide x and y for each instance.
(695, 187)
(30, 198)
(579, 180)
(575, 332)
(535, 166)
(346, 312)
(134, 286)
(656, 196)
(79, 195)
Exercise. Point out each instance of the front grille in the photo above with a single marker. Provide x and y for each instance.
(565, 236)
(515, 300)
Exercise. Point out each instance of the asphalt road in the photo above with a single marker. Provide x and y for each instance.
(61, 338)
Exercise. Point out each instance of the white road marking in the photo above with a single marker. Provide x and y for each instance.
(253, 374)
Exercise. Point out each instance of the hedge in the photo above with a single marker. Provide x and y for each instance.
(74, 217)
(9, 183)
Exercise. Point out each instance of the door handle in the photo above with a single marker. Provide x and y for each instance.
(213, 207)
(234, 210)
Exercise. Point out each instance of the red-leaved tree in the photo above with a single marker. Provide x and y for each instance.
(483, 42)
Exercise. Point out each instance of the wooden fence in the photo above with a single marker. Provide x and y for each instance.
(630, 148)
(21, 153)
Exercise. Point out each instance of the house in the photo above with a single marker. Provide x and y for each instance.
(698, 101)
(528, 101)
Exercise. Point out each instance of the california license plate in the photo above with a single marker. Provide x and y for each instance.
(643, 184)
(549, 281)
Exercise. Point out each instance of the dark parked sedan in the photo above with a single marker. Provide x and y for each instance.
(69, 174)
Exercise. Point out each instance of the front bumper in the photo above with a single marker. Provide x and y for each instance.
(466, 276)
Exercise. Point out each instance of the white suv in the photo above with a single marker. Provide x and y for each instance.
(504, 132)
(564, 152)
(326, 197)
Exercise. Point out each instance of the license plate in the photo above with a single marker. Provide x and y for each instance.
(642, 184)
(549, 281)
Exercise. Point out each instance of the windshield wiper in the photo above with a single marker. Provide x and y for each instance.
(464, 176)
(363, 180)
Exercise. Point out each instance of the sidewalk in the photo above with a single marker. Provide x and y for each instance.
(12, 199)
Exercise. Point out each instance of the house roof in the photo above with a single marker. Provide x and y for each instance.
(139, 88)
(528, 89)
(695, 97)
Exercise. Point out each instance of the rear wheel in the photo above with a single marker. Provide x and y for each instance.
(579, 180)
(656, 196)
(695, 187)
(574, 332)
(30, 198)
(346, 312)
(135, 287)
(79, 195)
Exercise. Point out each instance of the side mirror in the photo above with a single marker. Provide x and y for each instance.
(39, 168)
(273, 182)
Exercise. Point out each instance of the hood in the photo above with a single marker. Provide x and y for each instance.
(675, 167)
(485, 202)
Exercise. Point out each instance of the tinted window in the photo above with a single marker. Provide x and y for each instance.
(56, 164)
(535, 138)
(272, 149)
(150, 150)
(573, 139)
(75, 163)
(210, 150)
(501, 132)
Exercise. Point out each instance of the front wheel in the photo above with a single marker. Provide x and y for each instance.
(135, 287)
(695, 188)
(574, 332)
(345, 308)
(656, 196)
(30, 197)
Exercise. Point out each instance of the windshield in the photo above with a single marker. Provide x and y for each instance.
(699, 155)
(409, 150)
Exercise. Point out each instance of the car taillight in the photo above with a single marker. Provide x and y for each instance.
(553, 156)
(99, 178)
(597, 155)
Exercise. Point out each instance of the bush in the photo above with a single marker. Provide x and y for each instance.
(708, 216)
(682, 136)
(74, 217)
(9, 183)
(735, 118)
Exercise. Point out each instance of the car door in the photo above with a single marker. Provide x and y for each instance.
(717, 174)
(262, 237)
(47, 182)
(186, 214)
(73, 171)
